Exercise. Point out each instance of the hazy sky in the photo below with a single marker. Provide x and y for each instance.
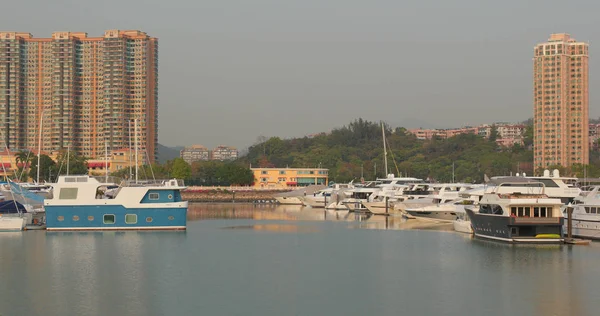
(231, 70)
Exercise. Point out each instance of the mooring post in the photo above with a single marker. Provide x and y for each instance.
(569, 221)
(386, 205)
(233, 200)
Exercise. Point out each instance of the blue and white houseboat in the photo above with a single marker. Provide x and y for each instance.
(84, 203)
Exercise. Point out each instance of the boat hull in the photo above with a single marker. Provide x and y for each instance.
(462, 226)
(12, 223)
(439, 215)
(288, 200)
(585, 228)
(115, 217)
(515, 230)
(378, 208)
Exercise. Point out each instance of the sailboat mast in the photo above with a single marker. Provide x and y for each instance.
(384, 151)
(129, 151)
(40, 146)
(106, 162)
(136, 149)
(68, 152)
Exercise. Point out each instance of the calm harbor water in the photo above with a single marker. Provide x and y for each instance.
(245, 260)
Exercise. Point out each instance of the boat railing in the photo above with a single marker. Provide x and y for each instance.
(534, 220)
(157, 182)
(525, 184)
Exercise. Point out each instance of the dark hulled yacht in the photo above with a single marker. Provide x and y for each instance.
(518, 213)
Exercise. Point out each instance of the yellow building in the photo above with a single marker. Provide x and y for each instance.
(289, 177)
(8, 163)
(118, 160)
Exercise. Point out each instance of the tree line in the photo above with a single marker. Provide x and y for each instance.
(356, 150)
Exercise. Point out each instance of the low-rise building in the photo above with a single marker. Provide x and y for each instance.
(224, 153)
(117, 160)
(508, 134)
(506, 130)
(195, 153)
(289, 177)
(9, 164)
(594, 135)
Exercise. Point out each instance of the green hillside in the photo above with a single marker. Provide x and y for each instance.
(359, 144)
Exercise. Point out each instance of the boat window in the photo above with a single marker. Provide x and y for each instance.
(90, 218)
(70, 179)
(497, 210)
(68, 194)
(549, 183)
(170, 196)
(130, 218)
(75, 218)
(171, 217)
(520, 211)
(587, 209)
(109, 219)
(60, 218)
(528, 211)
(153, 196)
(149, 219)
(486, 209)
(543, 212)
(536, 212)
(513, 211)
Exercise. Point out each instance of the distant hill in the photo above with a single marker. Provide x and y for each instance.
(168, 153)
(356, 150)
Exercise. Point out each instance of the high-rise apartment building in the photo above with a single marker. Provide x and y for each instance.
(88, 90)
(560, 96)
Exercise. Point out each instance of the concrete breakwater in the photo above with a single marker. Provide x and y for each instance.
(229, 196)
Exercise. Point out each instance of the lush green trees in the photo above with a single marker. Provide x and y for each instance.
(348, 150)
(23, 160)
(77, 164)
(48, 169)
(220, 173)
(181, 169)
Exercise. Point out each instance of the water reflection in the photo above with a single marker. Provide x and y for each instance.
(291, 261)
(206, 211)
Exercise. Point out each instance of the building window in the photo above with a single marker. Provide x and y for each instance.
(263, 172)
(130, 219)
(109, 219)
(282, 172)
(153, 196)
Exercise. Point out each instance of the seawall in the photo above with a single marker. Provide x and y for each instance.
(228, 196)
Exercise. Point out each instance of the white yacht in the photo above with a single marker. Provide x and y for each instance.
(13, 216)
(358, 195)
(444, 202)
(322, 198)
(389, 195)
(511, 214)
(586, 215)
(293, 197)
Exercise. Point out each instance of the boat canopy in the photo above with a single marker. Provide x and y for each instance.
(11, 207)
